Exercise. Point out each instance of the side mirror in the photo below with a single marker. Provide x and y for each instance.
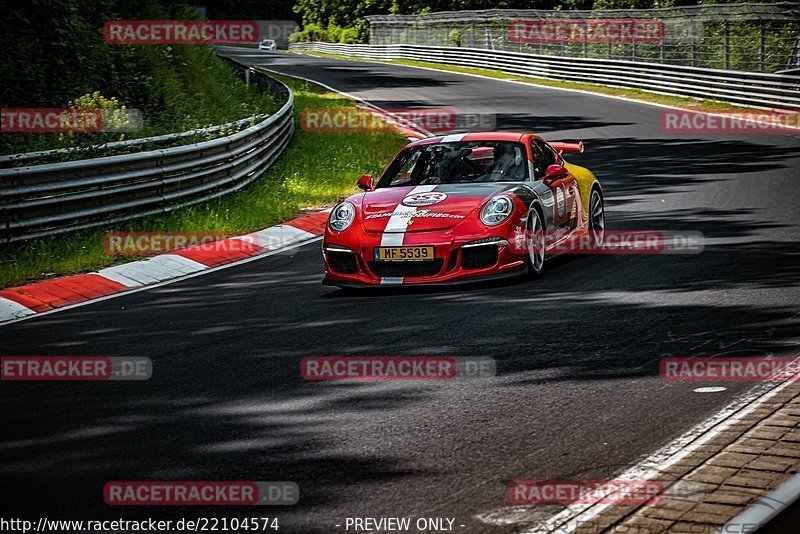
(555, 172)
(365, 183)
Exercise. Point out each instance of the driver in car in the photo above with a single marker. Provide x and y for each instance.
(507, 163)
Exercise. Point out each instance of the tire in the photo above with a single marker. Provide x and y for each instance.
(597, 218)
(535, 244)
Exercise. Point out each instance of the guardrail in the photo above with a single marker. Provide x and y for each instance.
(54, 198)
(736, 87)
(732, 36)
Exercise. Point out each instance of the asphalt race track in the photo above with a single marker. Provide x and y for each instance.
(578, 394)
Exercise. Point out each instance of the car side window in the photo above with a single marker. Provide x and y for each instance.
(544, 156)
(539, 160)
(553, 154)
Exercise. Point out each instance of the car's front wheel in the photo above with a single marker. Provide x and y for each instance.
(535, 242)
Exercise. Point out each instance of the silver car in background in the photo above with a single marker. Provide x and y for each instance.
(267, 44)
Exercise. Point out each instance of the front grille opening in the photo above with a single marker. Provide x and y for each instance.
(478, 257)
(342, 262)
(406, 268)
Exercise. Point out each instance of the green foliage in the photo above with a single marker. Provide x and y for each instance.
(349, 36)
(332, 34)
(346, 12)
(246, 9)
(310, 32)
(54, 52)
(455, 37)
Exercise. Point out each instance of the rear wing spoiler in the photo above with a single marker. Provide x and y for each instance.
(567, 147)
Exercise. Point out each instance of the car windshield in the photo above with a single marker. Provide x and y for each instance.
(448, 163)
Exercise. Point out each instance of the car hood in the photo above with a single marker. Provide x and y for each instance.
(426, 207)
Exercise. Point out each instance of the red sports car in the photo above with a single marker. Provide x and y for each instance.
(463, 208)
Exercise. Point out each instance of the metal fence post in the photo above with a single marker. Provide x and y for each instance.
(585, 46)
(762, 46)
(727, 43)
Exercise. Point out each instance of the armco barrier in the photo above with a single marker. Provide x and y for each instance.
(53, 198)
(746, 88)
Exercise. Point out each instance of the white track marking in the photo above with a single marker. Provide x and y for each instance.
(114, 274)
(276, 237)
(177, 264)
(133, 274)
(653, 466)
(10, 309)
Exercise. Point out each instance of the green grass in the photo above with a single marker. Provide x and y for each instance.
(637, 94)
(316, 170)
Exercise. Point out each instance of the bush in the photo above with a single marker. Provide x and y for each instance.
(332, 34)
(348, 36)
(310, 32)
(362, 31)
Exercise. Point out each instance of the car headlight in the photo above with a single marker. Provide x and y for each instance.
(497, 210)
(342, 217)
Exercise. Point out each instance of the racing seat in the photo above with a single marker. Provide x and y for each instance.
(507, 162)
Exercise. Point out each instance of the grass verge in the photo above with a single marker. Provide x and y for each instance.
(634, 94)
(315, 171)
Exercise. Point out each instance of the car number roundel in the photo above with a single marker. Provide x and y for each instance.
(561, 205)
(424, 199)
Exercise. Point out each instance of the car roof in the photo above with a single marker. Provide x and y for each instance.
(475, 136)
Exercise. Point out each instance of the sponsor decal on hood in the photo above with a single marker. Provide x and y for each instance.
(417, 213)
(424, 199)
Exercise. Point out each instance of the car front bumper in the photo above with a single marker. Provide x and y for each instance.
(457, 259)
